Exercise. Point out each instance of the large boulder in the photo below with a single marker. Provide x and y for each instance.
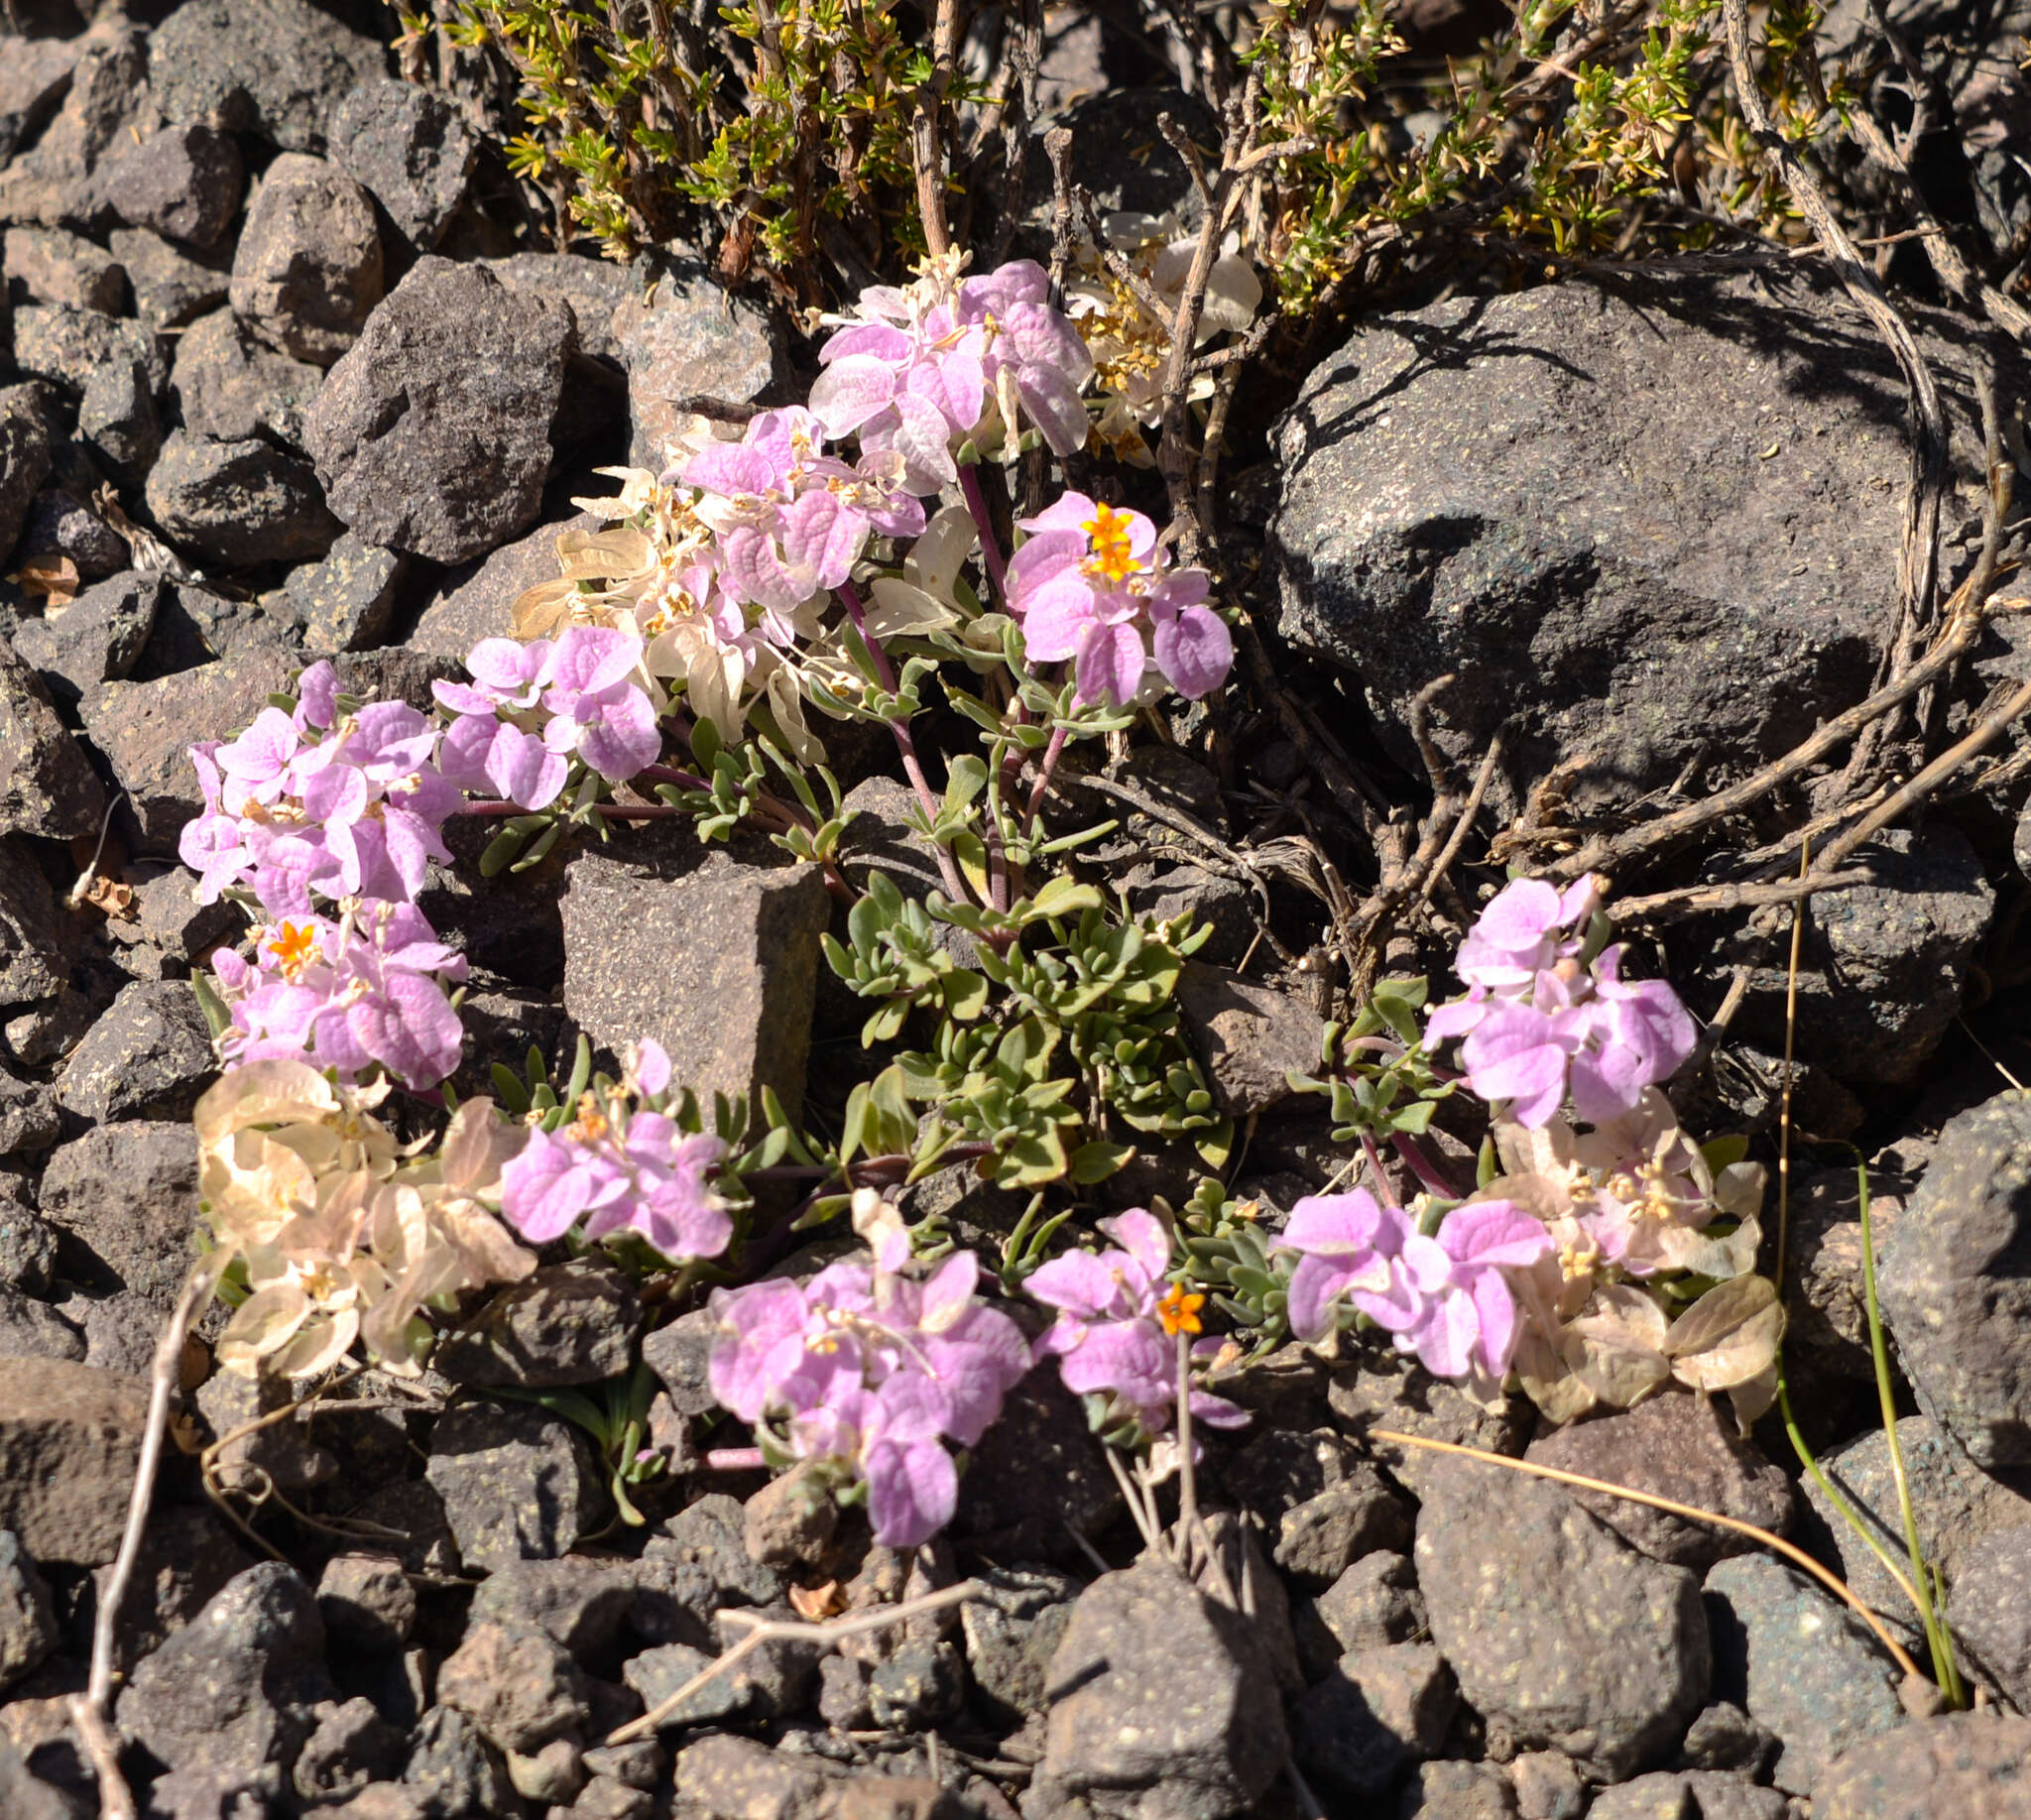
(432, 435)
(276, 69)
(1524, 491)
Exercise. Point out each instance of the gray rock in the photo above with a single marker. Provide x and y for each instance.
(432, 435)
(657, 1673)
(31, 1329)
(709, 1534)
(307, 271)
(235, 1687)
(1250, 1036)
(345, 603)
(1826, 1320)
(1681, 1447)
(62, 523)
(1330, 1504)
(1156, 1684)
(1388, 1390)
(592, 288)
(46, 265)
(170, 917)
(1953, 1283)
(719, 967)
(29, 1118)
(1373, 1604)
(30, 958)
(1036, 1482)
(27, 1247)
(551, 1776)
(229, 387)
(1989, 1614)
(1883, 964)
(32, 84)
(789, 1522)
(1678, 1794)
(66, 345)
(24, 457)
(1724, 1736)
(49, 1031)
(1547, 1785)
(145, 730)
(1012, 1634)
(1957, 1507)
(1800, 1663)
(567, 1323)
(109, 100)
(119, 1329)
(149, 1058)
(183, 182)
(28, 1621)
(638, 1765)
(1956, 1764)
(170, 288)
(282, 1453)
(1379, 1712)
(411, 149)
(117, 419)
(919, 1686)
(734, 1778)
(271, 68)
(352, 1746)
(517, 1685)
(238, 504)
(681, 1356)
(605, 1798)
(24, 1796)
(367, 1603)
(578, 1602)
(518, 1482)
(1458, 1791)
(1523, 491)
(477, 603)
(1553, 1624)
(47, 785)
(455, 1772)
(690, 337)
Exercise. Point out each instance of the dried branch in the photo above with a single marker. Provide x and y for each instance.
(784, 1629)
(927, 129)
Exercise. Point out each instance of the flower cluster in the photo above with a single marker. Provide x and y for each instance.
(913, 370)
(366, 988)
(1115, 1335)
(866, 1374)
(339, 805)
(1448, 1298)
(1092, 585)
(339, 1233)
(1540, 1020)
(624, 1164)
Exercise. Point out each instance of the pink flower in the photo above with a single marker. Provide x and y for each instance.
(1110, 1338)
(869, 1372)
(1338, 1234)
(1031, 348)
(1089, 585)
(595, 706)
(612, 1169)
(354, 995)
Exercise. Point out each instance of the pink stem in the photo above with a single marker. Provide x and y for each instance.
(734, 1459)
(1044, 769)
(984, 523)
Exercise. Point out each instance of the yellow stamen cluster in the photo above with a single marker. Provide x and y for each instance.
(1106, 536)
(591, 1123)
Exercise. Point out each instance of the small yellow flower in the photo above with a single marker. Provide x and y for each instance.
(1179, 1311)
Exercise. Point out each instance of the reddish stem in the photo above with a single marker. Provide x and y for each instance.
(984, 523)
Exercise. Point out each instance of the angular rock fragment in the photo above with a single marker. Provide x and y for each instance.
(307, 270)
(273, 67)
(69, 1437)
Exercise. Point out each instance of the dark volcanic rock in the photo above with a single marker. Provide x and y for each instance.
(32, 84)
(149, 1058)
(720, 967)
(46, 265)
(66, 345)
(1988, 1613)
(24, 457)
(1250, 1036)
(307, 271)
(110, 101)
(1954, 1287)
(30, 958)
(47, 784)
(432, 435)
(477, 604)
(1958, 1763)
(1523, 491)
(1378, 1712)
(170, 288)
(690, 337)
(97, 639)
(518, 1482)
(185, 183)
(517, 1685)
(118, 421)
(412, 150)
(273, 67)
(1800, 1663)
(567, 1323)
(125, 1199)
(1156, 1685)
(239, 504)
(345, 603)
(1553, 1624)
(229, 386)
(69, 1437)
(1677, 1446)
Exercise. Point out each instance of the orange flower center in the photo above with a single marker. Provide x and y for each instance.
(294, 945)
(1178, 1311)
(1106, 536)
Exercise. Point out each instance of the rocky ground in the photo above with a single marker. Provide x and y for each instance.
(289, 375)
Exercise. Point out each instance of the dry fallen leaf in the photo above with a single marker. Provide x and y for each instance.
(51, 579)
(815, 1604)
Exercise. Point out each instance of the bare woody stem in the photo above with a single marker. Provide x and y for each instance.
(927, 129)
(984, 523)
